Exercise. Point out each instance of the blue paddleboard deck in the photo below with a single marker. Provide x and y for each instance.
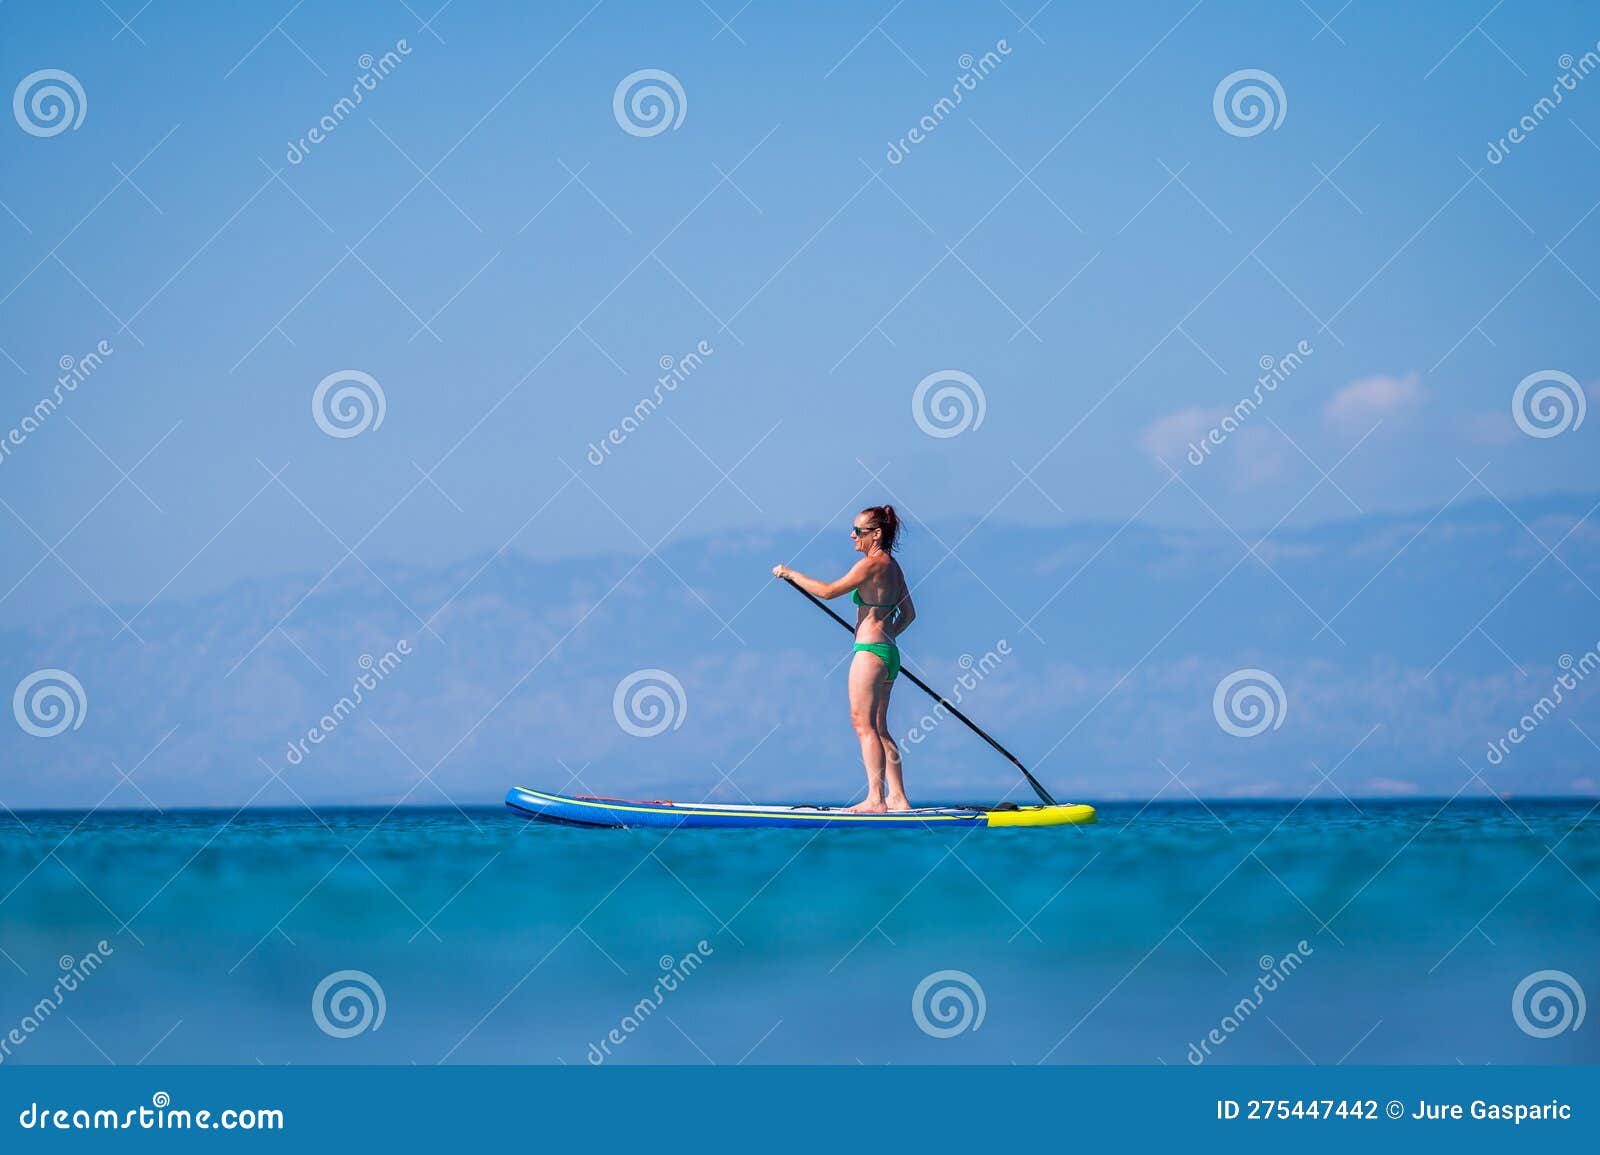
(582, 810)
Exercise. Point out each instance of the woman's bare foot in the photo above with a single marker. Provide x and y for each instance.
(868, 806)
(898, 802)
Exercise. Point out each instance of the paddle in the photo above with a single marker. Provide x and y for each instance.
(1044, 795)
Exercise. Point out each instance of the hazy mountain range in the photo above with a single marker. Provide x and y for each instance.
(1404, 645)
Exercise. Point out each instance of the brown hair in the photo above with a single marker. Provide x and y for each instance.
(888, 521)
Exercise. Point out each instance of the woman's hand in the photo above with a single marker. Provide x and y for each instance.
(782, 571)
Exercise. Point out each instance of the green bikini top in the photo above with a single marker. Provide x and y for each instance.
(855, 596)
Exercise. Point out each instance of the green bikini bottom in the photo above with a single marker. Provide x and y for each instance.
(888, 651)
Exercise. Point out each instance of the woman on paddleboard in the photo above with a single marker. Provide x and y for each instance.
(878, 587)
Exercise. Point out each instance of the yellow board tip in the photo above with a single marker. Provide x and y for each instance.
(1068, 815)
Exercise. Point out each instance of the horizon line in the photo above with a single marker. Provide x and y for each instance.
(1197, 803)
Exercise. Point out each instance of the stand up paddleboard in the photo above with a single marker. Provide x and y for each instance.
(577, 810)
(581, 810)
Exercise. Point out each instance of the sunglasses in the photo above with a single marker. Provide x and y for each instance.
(857, 531)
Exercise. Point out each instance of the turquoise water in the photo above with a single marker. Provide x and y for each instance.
(495, 939)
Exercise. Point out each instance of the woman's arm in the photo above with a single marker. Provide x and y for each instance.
(908, 614)
(821, 589)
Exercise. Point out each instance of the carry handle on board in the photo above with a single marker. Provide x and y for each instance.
(1044, 795)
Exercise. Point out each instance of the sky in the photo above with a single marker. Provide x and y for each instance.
(1017, 316)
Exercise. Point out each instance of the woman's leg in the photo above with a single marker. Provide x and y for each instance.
(866, 688)
(895, 790)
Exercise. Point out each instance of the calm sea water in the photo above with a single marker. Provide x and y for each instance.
(494, 939)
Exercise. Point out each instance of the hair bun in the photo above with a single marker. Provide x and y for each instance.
(889, 523)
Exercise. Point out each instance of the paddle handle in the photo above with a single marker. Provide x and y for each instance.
(1044, 795)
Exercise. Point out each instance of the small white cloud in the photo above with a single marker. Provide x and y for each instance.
(1356, 407)
(1256, 790)
(1499, 428)
(1490, 429)
(1168, 438)
(1586, 785)
(1261, 457)
(1389, 787)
